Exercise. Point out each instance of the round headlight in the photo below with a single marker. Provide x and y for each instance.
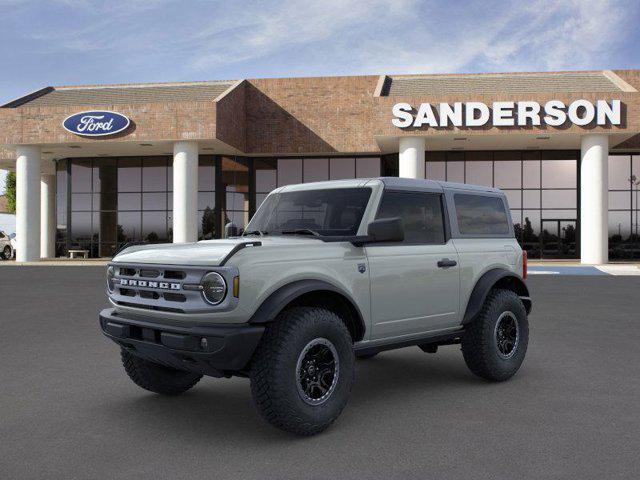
(214, 288)
(111, 273)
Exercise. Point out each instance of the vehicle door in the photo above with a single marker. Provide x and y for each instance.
(415, 283)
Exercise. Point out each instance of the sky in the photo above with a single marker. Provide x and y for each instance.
(73, 42)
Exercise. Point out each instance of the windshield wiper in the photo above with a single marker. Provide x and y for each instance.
(254, 232)
(300, 231)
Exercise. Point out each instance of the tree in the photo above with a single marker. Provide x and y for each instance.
(527, 233)
(517, 229)
(10, 192)
(208, 223)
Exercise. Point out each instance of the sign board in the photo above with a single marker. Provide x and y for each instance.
(553, 113)
(97, 123)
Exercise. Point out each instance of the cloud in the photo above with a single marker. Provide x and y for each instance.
(80, 41)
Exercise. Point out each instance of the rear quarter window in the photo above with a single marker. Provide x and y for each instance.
(481, 215)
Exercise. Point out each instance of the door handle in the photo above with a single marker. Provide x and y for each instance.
(445, 263)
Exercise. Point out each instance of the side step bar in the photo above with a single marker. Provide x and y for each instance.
(449, 338)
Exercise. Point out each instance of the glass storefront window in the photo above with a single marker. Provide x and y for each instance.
(559, 198)
(455, 172)
(119, 200)
(316, 170)
(559, 173)
(514, 198)
(531, 174)
(541, 187)
(479, 173)
(129, 174)
(289, 171)
(507, 174)
(235, 193)
(531, 198)
(266, 175)
(81, 175)
(342, 168)
(109, 196)
(436, 171)
(367, 167)
(624, 201)
(619, 172)
(154, 178)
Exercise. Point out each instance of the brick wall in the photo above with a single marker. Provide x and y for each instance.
(320, 115)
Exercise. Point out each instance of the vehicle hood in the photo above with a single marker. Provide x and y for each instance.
(206, 253)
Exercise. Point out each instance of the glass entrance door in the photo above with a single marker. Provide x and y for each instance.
(558, 238)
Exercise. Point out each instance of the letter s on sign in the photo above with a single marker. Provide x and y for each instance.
(402, 112)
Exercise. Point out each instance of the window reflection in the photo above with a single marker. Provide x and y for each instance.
(531, 180)
(316, 169)
(342, 168)
(129, 174)
(479, 173)
(624, 198)
(367, 167)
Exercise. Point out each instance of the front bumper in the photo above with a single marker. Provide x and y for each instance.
(215, 350)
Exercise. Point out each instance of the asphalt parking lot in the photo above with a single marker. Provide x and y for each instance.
(67, 410)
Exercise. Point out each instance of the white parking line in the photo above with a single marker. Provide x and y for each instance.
(542, 272)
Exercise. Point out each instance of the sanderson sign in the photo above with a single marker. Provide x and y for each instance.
(507, 114)
(96, 123)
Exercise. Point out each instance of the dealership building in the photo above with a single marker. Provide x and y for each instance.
(99, 167)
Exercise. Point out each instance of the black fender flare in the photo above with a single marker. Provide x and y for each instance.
(495, 277)
(283, 296)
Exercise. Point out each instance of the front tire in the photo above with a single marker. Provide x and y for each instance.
(6, 253)
(495, 342)
(157, 378)
(303, 370)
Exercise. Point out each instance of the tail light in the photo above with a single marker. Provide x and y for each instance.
(524, 264)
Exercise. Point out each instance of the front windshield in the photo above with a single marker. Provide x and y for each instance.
(330, 212)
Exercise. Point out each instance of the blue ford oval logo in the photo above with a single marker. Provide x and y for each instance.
(96, 123)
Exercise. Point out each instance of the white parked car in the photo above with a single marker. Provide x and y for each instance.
(7, 245)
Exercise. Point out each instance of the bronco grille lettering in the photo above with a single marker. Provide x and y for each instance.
(144, 283)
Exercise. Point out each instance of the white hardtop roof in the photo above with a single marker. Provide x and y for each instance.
(391, 182)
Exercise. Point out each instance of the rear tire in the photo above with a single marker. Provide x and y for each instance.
(303, 370)
(495, 342)
(157, 378)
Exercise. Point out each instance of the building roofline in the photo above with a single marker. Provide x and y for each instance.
(140, 85)
(28, 97)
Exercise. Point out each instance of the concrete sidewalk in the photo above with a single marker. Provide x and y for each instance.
(59, 262)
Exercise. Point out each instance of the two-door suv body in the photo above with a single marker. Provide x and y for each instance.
(324, 273)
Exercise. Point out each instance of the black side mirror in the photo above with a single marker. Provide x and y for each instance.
(230, 230)
(386, 230)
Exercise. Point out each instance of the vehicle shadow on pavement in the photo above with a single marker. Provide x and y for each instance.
(223, 409)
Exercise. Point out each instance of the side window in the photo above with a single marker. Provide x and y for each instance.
(481, 215)
(421, 214)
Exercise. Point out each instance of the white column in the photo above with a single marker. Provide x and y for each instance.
(185, 192)
(594, 199)
(411, 157)
(47, 215)
(28, 203)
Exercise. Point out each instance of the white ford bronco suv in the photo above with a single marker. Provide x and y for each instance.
(325, 273)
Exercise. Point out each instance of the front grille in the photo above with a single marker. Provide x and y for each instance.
(174, 297)
(144, 272)
(154, 287)
(148, 294)
(174, 274)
